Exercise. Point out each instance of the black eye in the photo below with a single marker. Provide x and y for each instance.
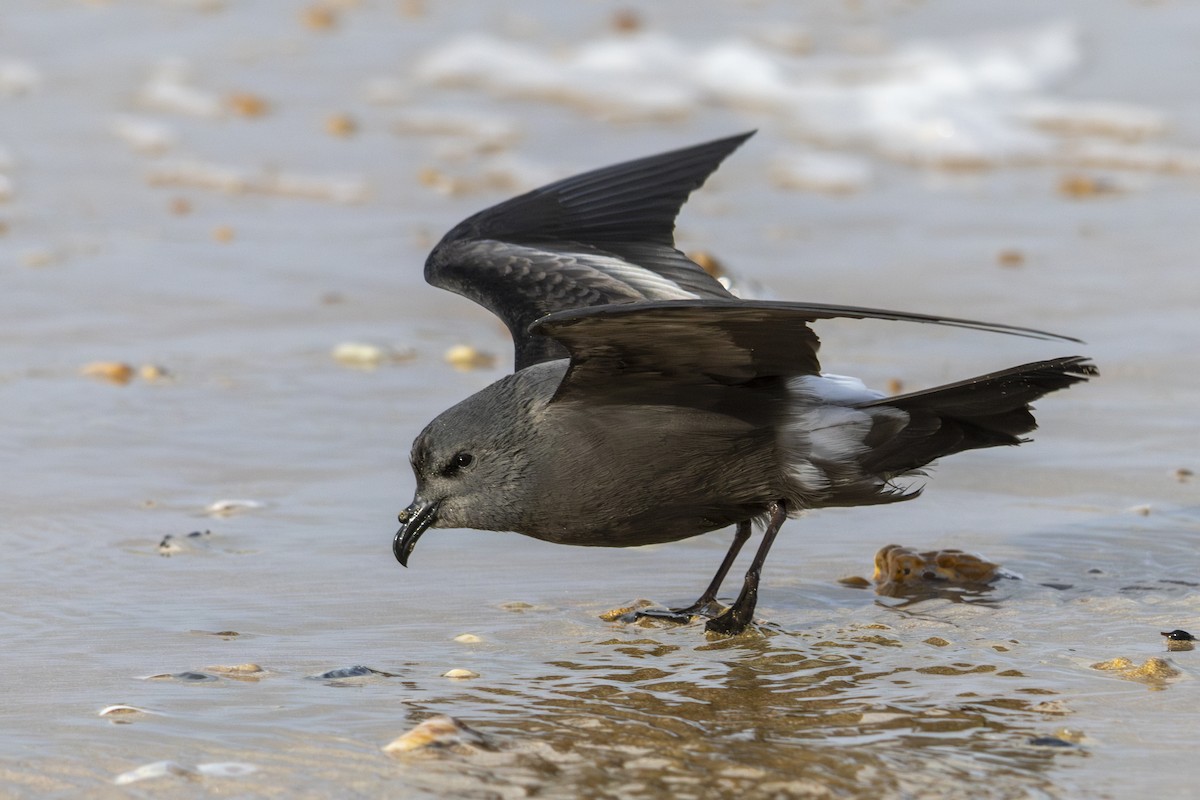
(458, 462)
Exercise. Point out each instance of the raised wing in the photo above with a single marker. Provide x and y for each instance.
(683, 346)
(603, 237)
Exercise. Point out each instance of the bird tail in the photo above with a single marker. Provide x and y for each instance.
(986, 411)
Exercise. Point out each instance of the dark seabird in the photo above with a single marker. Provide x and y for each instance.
(647, 404)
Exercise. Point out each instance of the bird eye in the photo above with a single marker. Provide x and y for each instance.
(458, 462)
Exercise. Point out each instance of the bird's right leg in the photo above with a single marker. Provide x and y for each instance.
(707, 605)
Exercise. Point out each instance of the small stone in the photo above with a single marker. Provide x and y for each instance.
(157, 769)
(1079, 187)
(1010, 258)
(350, 673)
(854, 582)
(1183, 474)
(626, 20)
(1050, 741)
(182, 677)
(1142, 510)
(223, 234)
(37, 258)
(936, 641)
(358, 354)
(319, 18)
(226, 508)
(1155, 671)
(467, 638)
(111, 371)
(236, 669)
(342, 125)
(1072, 735)
(246, 104)
(153, 372)
(1051, 707)
(368, 356)
(516, 605)
(460, 674)
(1179, 641)
(121, 710)
(465, 357)
(411, 8)
(895, 386)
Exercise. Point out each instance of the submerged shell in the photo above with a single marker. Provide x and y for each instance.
(159, 769)
(225, 508)
(156, 769)
(1155, 671)
(122, 713)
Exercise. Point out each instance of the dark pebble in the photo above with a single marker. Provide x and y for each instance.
(1049, 741)
(357, 671)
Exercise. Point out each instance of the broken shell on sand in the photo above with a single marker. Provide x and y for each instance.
(897, 567)
(442, 731)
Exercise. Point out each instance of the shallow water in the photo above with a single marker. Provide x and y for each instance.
(243, 295)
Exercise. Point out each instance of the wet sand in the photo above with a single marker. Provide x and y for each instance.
(236, 221)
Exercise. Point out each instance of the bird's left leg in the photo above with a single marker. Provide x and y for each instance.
(707, 604)
(741, 613)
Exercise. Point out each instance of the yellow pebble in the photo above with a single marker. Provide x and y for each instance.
(340, 125)
(465, 357)
(111, 371)
(460, 674)
(245, 104)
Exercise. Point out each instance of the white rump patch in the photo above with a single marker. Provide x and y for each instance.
(841, 390)
(823, 440)
(834, 433)
(810, 477)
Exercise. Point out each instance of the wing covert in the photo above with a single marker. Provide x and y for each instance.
(696, 343)
(599, 238)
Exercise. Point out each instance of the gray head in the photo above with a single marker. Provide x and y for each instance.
(473, 463)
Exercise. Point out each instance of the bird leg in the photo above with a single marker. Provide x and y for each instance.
(707, 604)
(741, 613)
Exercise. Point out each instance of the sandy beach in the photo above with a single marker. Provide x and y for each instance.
(216, 348)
